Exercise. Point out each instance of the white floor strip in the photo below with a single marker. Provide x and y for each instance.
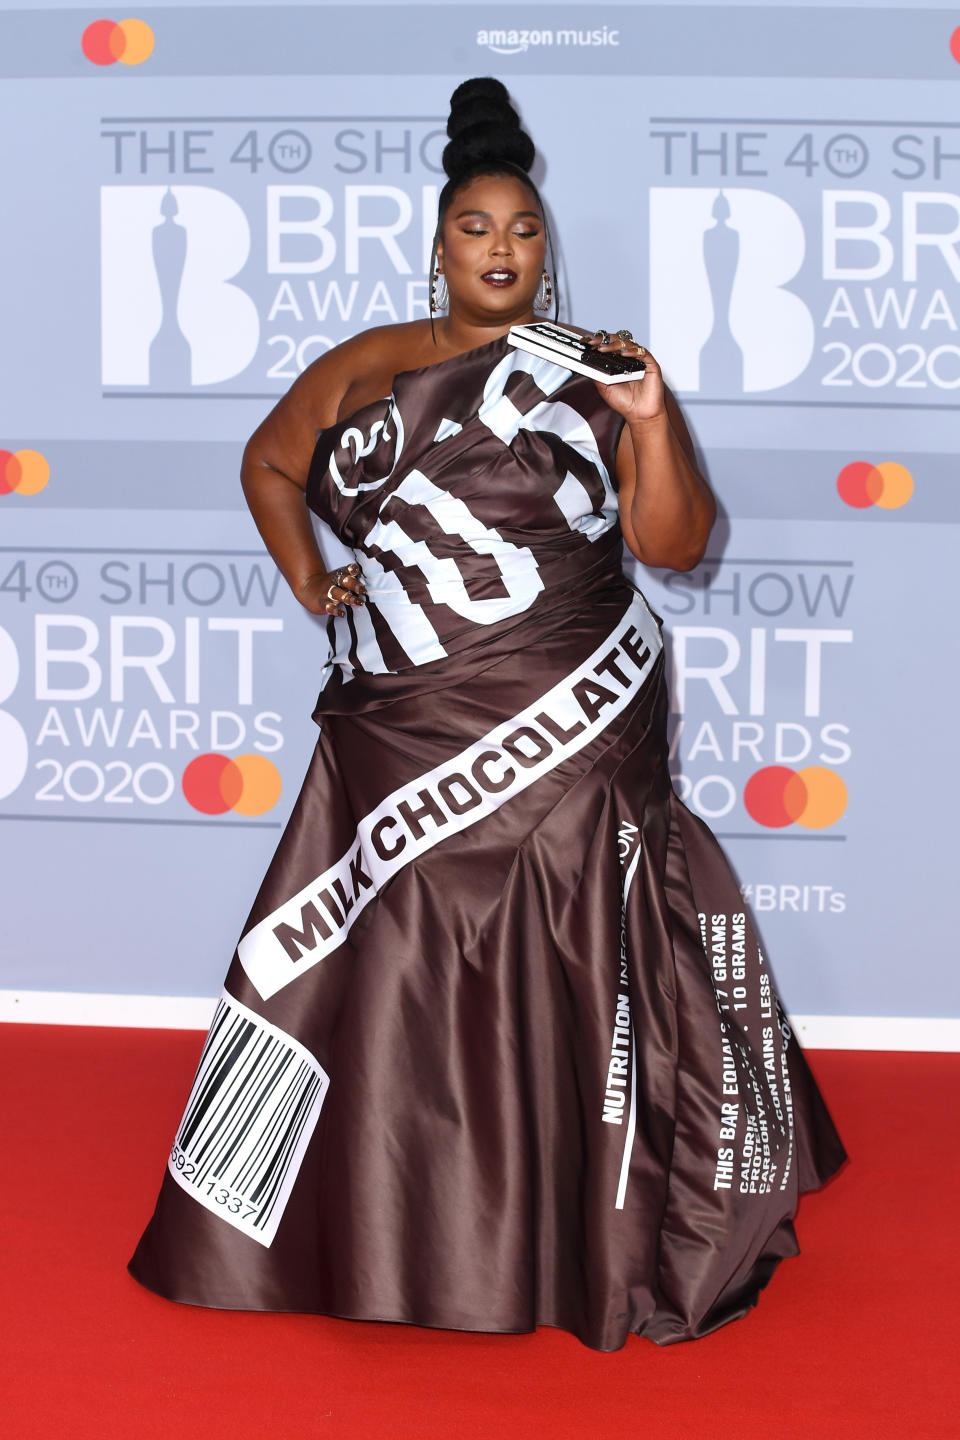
(877, 1032)
(149, 1012)
(193, 1012)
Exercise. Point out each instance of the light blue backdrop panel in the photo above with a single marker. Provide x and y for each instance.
(769, 194)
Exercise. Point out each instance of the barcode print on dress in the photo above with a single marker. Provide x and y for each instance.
(251, 1112)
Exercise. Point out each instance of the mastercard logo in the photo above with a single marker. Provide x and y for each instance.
(105, 42)
(955, 44)
(246, 784)
(888, 484)
(24, 472)
(777, 796)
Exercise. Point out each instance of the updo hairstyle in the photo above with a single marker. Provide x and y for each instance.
(485, 139)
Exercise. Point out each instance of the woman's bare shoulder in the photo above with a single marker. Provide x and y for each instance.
(362, 368)
(349, 376)
(408, 337)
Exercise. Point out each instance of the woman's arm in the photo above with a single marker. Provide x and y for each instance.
(667, 509)
(274, 472)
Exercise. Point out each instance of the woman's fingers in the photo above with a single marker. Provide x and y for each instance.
(343, 595)
(620, 340)
(349, 583)
(345, 587)
(328, 593)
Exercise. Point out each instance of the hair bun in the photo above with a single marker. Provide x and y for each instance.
(483, 126)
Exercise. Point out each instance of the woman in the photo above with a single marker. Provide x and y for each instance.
(498, 1047)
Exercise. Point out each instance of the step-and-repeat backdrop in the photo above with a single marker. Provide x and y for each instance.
(199, 200)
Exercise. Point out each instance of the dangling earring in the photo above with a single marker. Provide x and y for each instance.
(438, 291)
(544, 296)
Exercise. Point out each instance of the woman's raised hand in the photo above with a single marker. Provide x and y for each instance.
(326, 592)
(638, 400)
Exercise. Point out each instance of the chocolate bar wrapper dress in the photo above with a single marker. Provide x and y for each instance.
(498, 1047)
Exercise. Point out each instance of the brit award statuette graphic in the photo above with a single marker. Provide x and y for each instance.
(171, 316)
(722, 319)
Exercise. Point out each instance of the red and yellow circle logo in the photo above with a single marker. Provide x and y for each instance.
(955, 44)
(888, 484)
(24, 472)
(777, 796)
(245, 784)
(107, 41)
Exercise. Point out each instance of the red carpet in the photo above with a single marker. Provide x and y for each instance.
(857, 1338)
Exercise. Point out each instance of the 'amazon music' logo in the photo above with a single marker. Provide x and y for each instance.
(171, 318)
(721, 320)
(518, 42)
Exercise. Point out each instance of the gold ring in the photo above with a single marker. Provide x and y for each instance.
(330, 590)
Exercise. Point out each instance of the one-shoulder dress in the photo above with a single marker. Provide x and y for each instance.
(498, 1047)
